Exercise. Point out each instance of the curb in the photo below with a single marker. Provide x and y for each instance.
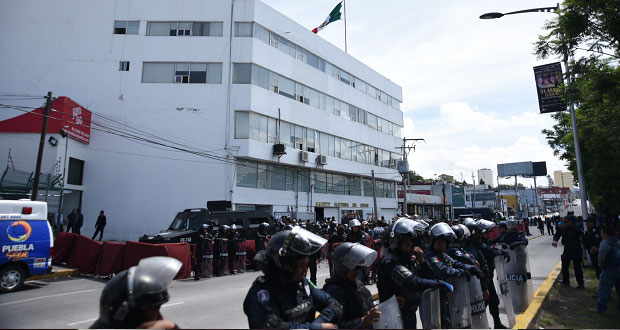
(531, 238)
(526, 319)
(56, 274)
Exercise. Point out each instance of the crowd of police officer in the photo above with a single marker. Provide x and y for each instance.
(416, 256)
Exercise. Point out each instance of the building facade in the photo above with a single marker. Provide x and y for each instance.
(193, 101)
(486, 175)
(563, 179)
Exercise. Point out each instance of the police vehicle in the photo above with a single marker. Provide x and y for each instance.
(187, 222)
(26, 241)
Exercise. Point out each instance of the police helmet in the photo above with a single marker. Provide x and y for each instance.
(233, 227)
(512, 222)
(472, 225)
(128, 296)
(263, 226)
(348, 256)
(285, 247)
(205, 226)
(503, 224)
(462, 233)
(485, 225)
(442, 230)
(355, 223)
(225, 228)
(401, 229)
(420, 225)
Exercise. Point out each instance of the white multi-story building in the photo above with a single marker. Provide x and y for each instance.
(486, 175)
(189, 99)
(563, 180)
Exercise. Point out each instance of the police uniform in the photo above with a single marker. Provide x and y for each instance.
(514, 237)
(336, 237)
(592, 238)
(489, 253)
(571, 239)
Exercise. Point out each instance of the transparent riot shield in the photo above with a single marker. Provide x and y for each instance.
(430, 309)
(390, 315)
(519, 278)
(503, 290)
(477, 305)
(460, 311)
(223, 260)
(241, 255)
(208, 260)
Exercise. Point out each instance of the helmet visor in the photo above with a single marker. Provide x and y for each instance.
(303, 242)
(359, 256)
(485, 225)
(152, 277)
(442, 229)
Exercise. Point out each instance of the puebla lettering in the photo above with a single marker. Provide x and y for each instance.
(17, 248)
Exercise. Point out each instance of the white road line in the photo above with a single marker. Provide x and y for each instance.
(43, 297)
(94, 319)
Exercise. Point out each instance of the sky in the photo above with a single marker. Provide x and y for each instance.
(468, 84)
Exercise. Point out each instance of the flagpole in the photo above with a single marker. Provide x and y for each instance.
(344, 3)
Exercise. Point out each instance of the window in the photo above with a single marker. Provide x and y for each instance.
(264, 180)
(212, 29)
(346, 149)
(338, 147)
(299, 137)
(340, 184)
(242, 73)
(353, 113)
(247, 174)
(123, 66)
(158, 73)
(184, 73)
(243, 29)
(278, 177)
(261, 33)
(354, 186)
(214, 73)
(286, 87)
(159, 28)
(242, 125)
(285, 134)
(310, 138)
(260, 76)
(331, 146)
(325, 144)
(76, 171)
(320, 183)
(126, 27)
(272, 130)
(198, 73)
(181, 73)
(367, 187)
(290, 179)
(258, 127)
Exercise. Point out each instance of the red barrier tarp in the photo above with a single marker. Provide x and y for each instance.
(85, 254)
(63, 244)
(135, 251)
(181, 252)
(112, 259)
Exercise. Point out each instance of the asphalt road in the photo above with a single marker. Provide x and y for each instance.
(210, 303)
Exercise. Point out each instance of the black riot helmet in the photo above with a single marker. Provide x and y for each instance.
(263, 226)
(349, 256)
(401, 229)
(126, 298)
(485, 225)
(473, 227)
(459, 232)
(205, 228)
(442, 230)
(285, 248)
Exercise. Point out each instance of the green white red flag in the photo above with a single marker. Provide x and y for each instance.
(334, 15)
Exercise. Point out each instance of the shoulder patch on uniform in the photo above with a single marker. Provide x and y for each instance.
(263, 296)
(458, 253)
(435, 259)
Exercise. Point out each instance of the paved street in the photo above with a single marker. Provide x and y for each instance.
(212, 303)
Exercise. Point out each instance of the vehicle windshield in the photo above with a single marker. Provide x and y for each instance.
(185, 221)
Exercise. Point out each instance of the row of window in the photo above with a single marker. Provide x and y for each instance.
(259, 175)
(171, 28)
(249, 73)
(181, 72)
(248, 29)
(251, 125)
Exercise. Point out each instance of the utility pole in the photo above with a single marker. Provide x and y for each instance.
(516, 200)
(374, 194)
(405, 149)
(473, 197)
(37, 172)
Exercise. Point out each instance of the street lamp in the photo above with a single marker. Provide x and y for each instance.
(571, 106)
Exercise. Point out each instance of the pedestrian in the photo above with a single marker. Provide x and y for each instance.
(403, 271)
(571, 239)
(79, 222)
(71, 220)
(283, 298)
(549, 223)
(358, 308)
(609, 261)
(591, 242)
(58, 219)
(100, 225)
(541, 226)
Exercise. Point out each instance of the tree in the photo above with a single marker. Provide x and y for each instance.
(593, 26)
(446, 178)
(415, 177)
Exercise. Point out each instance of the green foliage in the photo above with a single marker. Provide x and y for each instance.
(415, 177)
(594, 26)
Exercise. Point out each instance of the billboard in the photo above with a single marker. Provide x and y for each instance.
(512, 169)
(458, 197)
(540, 168)
(548, 86)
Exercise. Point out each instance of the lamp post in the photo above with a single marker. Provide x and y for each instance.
(571, 106)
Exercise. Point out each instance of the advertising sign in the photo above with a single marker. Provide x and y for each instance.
(512, 169)
(458, 196)
(548, 81)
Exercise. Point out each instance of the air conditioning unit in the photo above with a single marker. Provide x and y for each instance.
(321, 160)
(304, 156)
(279, 149)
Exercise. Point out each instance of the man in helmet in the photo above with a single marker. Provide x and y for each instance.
(456, 246)
(132, 298)
(261, 236)
(234, 245)
(421, 230)
(404, 276)
(571, 239)
(345, 286)
(444, 267)
(283, 298)
(513, 236)
(356, 235)
(315, 258)
(337, 237)
(221, 251)
(202, 241)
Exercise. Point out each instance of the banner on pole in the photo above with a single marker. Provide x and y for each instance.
(548, 85)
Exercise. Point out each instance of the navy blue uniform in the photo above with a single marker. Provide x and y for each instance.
(514, 237)
(355, 299)
(269, 304)
(571, 239)
(592, 238)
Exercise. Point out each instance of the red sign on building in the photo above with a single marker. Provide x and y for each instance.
(65, 114)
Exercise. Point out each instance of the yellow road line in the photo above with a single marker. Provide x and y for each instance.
(524, 319)
(56, 274)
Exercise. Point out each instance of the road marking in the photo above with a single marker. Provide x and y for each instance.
(94, 319)
(43, 297)
(524, 319)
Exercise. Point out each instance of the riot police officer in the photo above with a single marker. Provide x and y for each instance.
(513, 236)
(346, 287)
(356, 235)
(221, 251)
(132, 298)
(591, 241)
(234, 246)
(571, 239)
(337, 237)
(283, 298)
(455, 247)
(421, 230)
(261, 236)
(201, 250)
(401, 275)
(315, 258)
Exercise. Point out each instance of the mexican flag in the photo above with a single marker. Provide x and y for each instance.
(334, 15)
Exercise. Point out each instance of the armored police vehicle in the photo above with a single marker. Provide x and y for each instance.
(187, 222)
(26, 242)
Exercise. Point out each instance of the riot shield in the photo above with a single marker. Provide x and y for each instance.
(390, 315)
(519, 279)
(477, 305)
(208, 260)
(460, 310)
(430, 309)
(241, 255)
(503, 290)
(223, 260)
